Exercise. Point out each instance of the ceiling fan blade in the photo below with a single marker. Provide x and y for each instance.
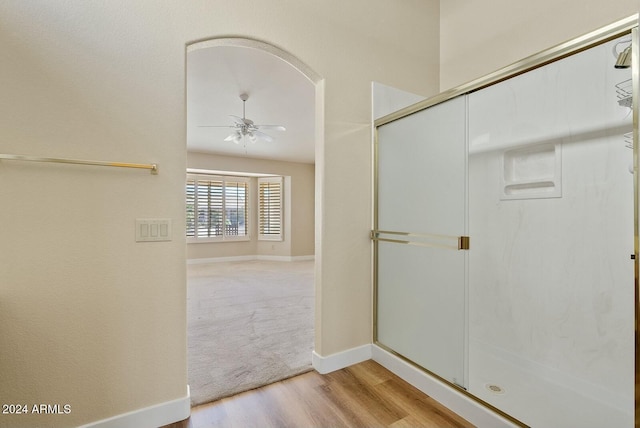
(237, 119)
(216, 126)
(235, 137)
(241, 120)
(263, 136)
(276, 127)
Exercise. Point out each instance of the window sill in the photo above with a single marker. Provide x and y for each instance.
(270, 238)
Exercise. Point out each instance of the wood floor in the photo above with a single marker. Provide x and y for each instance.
(364, 395)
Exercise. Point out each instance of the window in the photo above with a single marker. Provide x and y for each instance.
(270, 203)
(217, 208)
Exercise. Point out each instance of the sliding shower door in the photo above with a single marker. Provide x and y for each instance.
(420, 231)
(538, 318)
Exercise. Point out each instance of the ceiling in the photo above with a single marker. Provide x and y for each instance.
(278, 95)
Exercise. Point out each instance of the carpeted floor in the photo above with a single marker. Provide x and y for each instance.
(249, 324)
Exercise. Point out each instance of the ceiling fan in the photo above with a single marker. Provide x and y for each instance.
(244, 127)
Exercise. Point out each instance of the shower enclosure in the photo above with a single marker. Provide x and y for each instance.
(504, 235)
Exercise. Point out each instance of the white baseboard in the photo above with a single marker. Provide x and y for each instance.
(340, 360)
(149, 417)
(248, 258)
(454, 400)
(220, 259)
(303, 258)
(285, 258)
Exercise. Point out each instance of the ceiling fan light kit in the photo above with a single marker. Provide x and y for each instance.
(246, 128)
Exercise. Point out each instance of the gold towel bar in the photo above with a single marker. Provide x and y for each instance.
(152, 167)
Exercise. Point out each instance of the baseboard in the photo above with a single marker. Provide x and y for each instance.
(151, 417)
(457, 402)
(220, 259)
(303, 258)
(340, 360)
(285, 258)
(248, 258)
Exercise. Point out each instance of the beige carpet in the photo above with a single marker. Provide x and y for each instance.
(249, 324)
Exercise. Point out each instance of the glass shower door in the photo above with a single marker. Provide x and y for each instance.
(420, 232)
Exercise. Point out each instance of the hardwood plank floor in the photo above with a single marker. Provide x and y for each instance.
(363, 395)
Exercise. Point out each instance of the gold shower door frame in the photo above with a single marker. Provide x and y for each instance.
(617, 29)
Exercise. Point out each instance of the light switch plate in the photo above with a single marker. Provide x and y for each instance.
(153, 229)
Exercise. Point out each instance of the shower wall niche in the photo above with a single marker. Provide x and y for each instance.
(532, 172)
(547, 286)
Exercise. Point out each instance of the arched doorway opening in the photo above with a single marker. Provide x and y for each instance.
(233, 335)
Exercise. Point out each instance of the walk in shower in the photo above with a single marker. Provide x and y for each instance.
(504, 235)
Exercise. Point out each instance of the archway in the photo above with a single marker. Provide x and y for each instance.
(248, 160)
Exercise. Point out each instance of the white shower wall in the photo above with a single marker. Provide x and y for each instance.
(551, 283)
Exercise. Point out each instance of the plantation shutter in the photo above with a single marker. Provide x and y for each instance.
(270, 200)
(236, 208)
(217, 207)
(209, 208)
(191, 207)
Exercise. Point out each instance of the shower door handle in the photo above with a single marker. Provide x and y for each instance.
(449, 242)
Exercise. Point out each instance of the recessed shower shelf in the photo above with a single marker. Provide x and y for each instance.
(624, 90)
(532, 172)
(515, 188)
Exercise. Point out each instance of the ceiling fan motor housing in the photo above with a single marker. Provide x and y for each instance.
(246, 127)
